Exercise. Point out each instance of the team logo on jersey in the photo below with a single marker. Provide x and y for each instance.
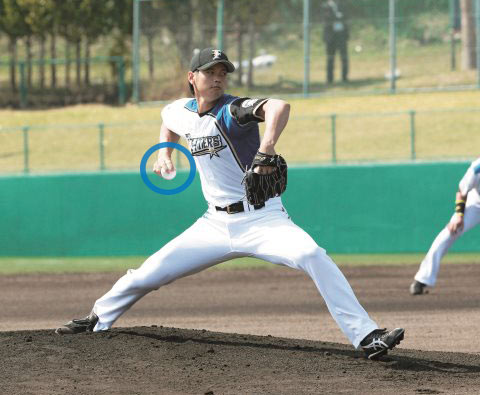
(217, 54)
(208, 145)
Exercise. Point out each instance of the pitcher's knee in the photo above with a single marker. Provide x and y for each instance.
(312, 256)
(145, 281)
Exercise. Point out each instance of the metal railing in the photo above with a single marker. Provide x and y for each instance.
(336, 138)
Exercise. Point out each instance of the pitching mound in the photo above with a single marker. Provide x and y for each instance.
(253, 320)
(159, 360)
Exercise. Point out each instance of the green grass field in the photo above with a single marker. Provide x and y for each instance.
(18, 265)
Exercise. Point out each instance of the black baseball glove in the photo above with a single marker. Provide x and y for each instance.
(261, 187)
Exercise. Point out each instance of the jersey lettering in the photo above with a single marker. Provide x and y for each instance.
(208, 145)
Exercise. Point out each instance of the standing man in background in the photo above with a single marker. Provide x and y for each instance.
(335, 36)
(466, 216)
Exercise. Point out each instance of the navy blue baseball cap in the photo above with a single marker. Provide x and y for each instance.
(209, 57)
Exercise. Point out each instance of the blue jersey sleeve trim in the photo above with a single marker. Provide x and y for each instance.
(192, 105)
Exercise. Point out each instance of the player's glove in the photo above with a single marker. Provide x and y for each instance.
(261, 187)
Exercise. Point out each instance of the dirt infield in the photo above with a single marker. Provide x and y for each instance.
(249, 332)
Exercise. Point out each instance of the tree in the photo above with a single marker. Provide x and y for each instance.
(249, 17)
(56, 4)
(72, 32)
(40, 19)
(13, 23)
(95, 23)
(469, 58)
(177, 19)
(121, 22)
(150, 27)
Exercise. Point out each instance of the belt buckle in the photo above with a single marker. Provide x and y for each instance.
(229, 211)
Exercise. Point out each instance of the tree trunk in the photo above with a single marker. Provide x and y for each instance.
(67, 64)
(469, 58)
(184, 38)
(151, 66)
(28, 50)
(42, 63)
(202, 24)
(53, 55)
(239, 54)
(251, 52)
(78, 55)
(189, 38)
(196, 24)
(87, 62)
(12, 47)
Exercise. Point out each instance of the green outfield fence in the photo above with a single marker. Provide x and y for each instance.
(335, 138)
(346, 209)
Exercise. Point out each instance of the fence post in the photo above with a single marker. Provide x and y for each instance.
(23, 86)
(136, 52)
(412, 135)
(26, 154)
(452, 17)
(306, 47)
(101, 145)
(121, 80)
(333, 119)
(477, 14)
(393, 47)
(220, 11)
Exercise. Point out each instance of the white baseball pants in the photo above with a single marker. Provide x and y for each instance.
(428, 271)
(268, 234)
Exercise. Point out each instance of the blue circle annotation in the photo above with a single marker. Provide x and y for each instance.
(154, 188)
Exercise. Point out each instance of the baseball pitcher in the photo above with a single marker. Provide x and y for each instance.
(242, 180)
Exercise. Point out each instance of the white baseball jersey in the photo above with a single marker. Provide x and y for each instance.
(469, 186)
(470, 183)
(223, 142)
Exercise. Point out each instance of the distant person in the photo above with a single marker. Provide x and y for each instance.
(335, 36)
(466, 216)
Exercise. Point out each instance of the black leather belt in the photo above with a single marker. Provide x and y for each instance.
(237, 207)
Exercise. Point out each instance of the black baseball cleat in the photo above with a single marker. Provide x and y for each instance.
(378, 342)
(79, 325)
(417, 288)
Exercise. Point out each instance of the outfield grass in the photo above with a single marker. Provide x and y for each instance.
(368, 128)
(16, 265)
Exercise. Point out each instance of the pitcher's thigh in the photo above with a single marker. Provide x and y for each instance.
(199, 247)
(279, 240)
(472, 217)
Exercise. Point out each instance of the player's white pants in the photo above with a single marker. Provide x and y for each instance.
(216, 237)
(428, 271)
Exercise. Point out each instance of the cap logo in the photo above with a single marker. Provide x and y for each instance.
(217, 54)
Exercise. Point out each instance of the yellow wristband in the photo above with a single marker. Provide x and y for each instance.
(460, 207)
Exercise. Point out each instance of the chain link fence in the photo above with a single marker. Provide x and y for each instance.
(280, 46)
(332, 139)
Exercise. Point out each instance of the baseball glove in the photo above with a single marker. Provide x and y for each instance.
(261, 187)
